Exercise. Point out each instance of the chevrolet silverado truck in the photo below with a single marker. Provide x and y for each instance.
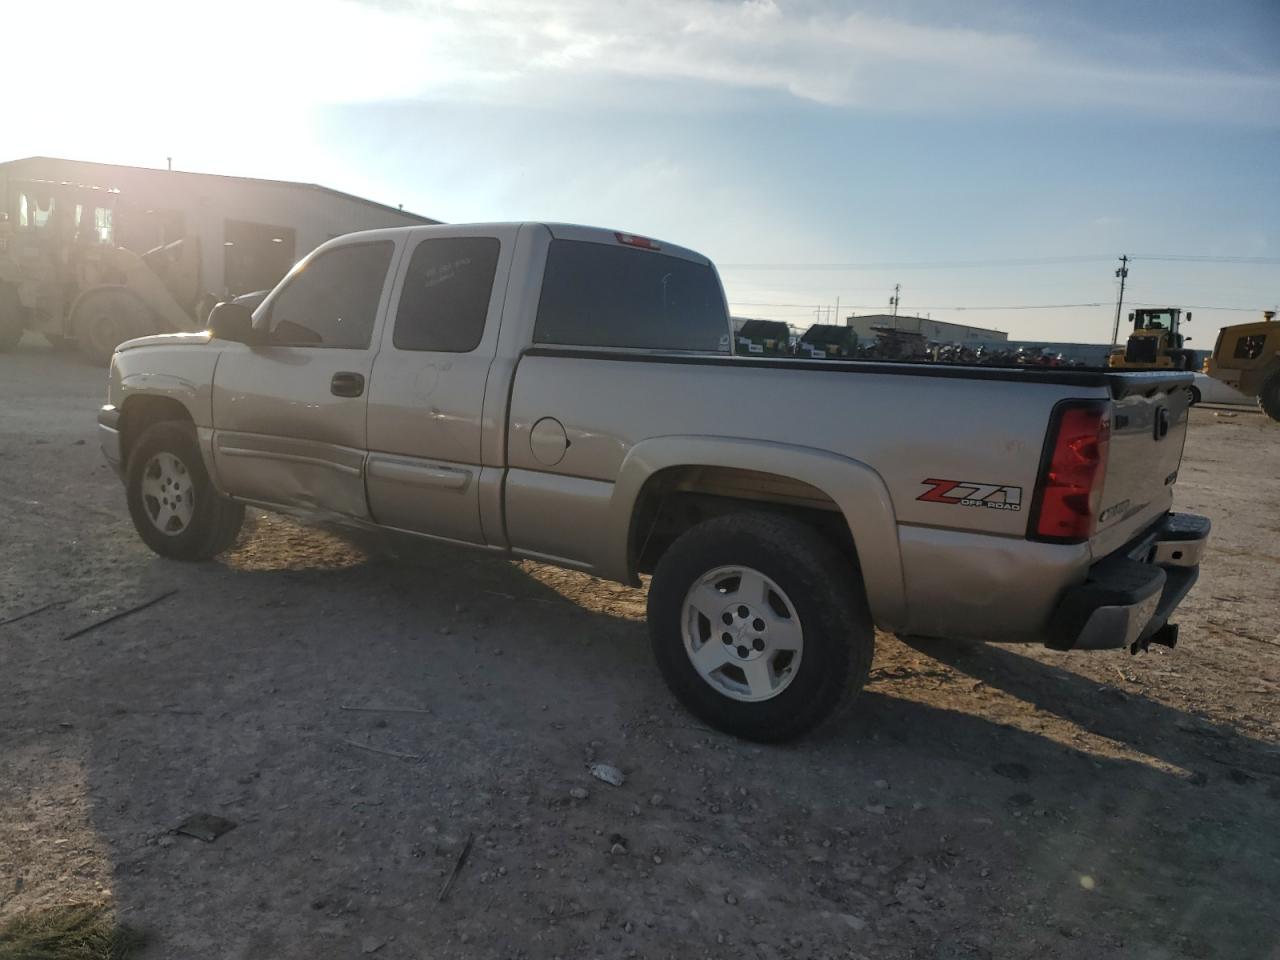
(570, 395)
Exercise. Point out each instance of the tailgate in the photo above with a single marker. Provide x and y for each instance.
(1148, 429)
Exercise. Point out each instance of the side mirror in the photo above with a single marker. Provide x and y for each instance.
(232, 321)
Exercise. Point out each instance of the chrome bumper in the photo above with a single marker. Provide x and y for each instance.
(1127, 599)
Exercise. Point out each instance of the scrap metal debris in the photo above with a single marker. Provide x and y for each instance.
(205, 826)
(116, 616)
(608, 773)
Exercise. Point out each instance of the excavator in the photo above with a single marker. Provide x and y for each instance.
(1156, 342)
(1247, 356)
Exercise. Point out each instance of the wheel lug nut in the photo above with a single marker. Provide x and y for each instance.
(742, 652)
(727, 637)
(758, 643)
(743, 612)
(758, 623)
(727, 618)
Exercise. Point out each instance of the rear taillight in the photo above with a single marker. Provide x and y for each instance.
(1069, 493)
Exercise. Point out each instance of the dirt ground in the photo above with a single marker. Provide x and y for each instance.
(358, 719)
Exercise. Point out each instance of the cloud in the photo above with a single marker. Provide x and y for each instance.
(550, 50)
(245, 56)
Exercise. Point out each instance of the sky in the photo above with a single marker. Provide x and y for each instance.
(990, 156)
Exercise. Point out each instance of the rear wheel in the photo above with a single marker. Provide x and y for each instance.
(1269, 396)
(13, 317)
(105, 318)
(759, 626)
(174, 507)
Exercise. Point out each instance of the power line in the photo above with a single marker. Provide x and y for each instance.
(1000, 306)
(999, 262)
(1190, 258)
(1192, 306)
(914, 265)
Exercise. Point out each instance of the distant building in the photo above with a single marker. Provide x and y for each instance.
(248, 231)
(937, 330)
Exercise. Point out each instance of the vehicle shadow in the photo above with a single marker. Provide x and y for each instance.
(359, 718)
(1211, 750)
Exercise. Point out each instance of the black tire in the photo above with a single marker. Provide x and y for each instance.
(823, 587)
(214, 521)
(1195, 395)
(13, 317)
(1269, 396)
(106, 317)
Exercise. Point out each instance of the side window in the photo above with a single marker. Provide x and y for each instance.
(446, 294)
(333, 301)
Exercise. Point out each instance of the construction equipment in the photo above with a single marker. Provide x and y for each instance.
(94, 254)
(828, 341)
(769, 338)
(1156, 342)
(1247, 356)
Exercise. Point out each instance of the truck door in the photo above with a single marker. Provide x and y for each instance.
(289, 415)
(427, 395)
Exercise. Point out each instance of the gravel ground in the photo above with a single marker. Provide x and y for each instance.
(359, 719)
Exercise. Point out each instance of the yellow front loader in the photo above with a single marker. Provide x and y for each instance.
(63, 275)
(1156, 342)
(1247, 356)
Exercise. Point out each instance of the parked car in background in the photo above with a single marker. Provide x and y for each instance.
(1207, 389)
(568, 394)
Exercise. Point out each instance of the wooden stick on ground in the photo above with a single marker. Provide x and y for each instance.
(457, 868)
(385, 753)
(116, 616)
(32, 613)
(343, 706)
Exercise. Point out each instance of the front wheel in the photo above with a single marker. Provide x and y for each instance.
(174, 507)
(105, 318)
(760, 626)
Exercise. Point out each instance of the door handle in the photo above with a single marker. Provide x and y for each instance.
(346, 384)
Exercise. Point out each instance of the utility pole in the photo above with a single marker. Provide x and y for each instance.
(893, 301)
(1123, 273)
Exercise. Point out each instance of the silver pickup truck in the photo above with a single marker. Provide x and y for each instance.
(569, 394)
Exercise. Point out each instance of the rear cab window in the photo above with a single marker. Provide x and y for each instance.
(600, 295)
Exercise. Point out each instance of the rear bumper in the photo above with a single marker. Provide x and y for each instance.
(109, 437)
(1127, 599)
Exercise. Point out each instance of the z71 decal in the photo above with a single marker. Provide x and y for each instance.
(967, 493)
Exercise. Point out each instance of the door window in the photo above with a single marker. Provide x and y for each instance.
(446, 294)
(333, 300)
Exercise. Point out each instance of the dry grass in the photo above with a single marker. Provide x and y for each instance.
(75, 931)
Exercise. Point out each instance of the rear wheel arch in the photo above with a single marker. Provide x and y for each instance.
(844, 499)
